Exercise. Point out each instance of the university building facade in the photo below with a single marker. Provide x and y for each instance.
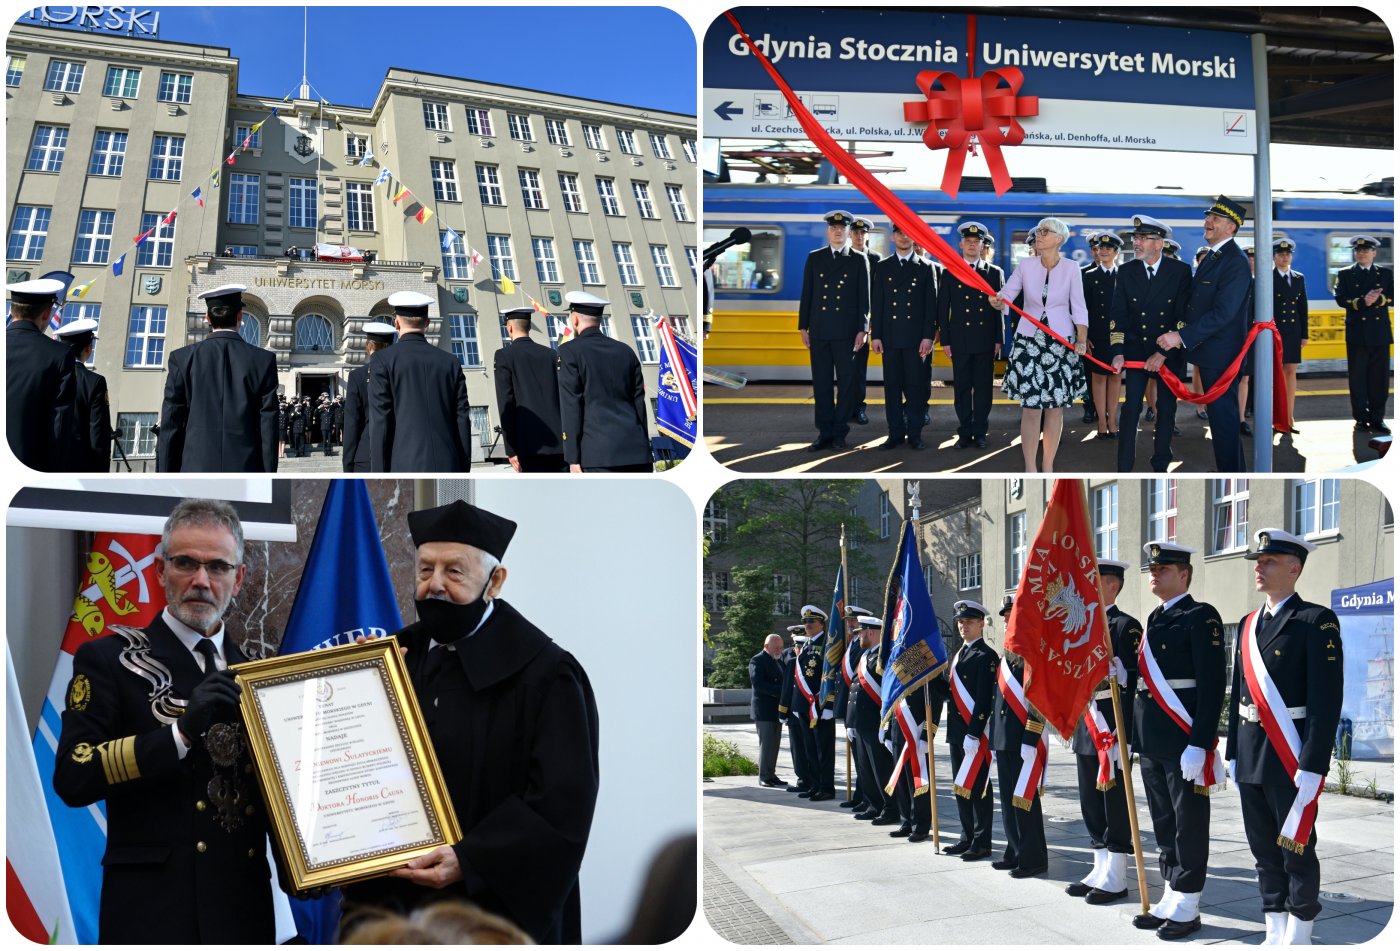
(107, 134)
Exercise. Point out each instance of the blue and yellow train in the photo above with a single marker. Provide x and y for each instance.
(758, 284)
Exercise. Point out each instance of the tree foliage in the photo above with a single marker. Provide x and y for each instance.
(748, 620)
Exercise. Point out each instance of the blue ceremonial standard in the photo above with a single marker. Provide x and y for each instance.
(911, 646)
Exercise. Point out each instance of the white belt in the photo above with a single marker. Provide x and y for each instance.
(1250, 712)
(1104, 694)
(1174, 684)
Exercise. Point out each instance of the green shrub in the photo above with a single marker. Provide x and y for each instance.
(722, 758)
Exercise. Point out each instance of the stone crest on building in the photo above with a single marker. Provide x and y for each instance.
(150, 283)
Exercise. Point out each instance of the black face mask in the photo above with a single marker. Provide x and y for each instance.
(447, 621)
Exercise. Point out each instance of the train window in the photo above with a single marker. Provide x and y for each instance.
(1339, 253)
(756, 266)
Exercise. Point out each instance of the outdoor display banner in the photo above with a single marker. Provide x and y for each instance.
(1367, 616)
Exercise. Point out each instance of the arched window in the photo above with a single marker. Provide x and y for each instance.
(250, 330)
(313, 334)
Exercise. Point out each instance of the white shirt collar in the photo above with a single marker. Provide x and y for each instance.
(1277, 607)
(1217, 247)
(490, 606)
(1166, 605)
(190, 637)
(905, 257)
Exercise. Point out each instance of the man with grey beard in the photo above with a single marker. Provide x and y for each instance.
(151, 727)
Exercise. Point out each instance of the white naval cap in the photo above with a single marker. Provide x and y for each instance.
(1167, 553)
(1115, 569)
(379, 331)
(974, 229)
(853, 610)
(1151, 227)
(34, 292)
(795, 630)
(590, 305)
(74, 328)
(811, 611)
(865, 620)
(1275, 541)
(969, 609)
(410, 303)
(227, 290)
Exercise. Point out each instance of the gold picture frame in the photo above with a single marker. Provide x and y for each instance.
(360, 793)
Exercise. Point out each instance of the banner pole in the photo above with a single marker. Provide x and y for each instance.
(846, 649)
(931, 728)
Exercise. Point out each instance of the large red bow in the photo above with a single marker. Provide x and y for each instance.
(959, 108)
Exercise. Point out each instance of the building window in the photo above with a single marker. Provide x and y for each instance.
(716, 523)
(680, 324)
(627, 142)
(145, 337)
(641, 191)
(108, 153)
(970, 571)
(240, 250)
(77, 310)
(520, 127)
(245, 133)
(313, 334)
(167, 157)
(46, 152)
(479, 122)
(355, 145)
(692, 260)
(502, 261)
(661, 260)
(688, 146)
(1317, 505)
(64, 76)
(593, 137)
(676, 197)
(175, 87)
(626, 267)
(607, 193)
(435, 116)
(137, 433)
(456, 266)
(14, 70)
(488, 183)
(1017, 562)
(588, 271)
(464, 344)
(29, 230)
(1230, 514)
(546, 266)
(301, 203)
(782, 595)
(1161, 510)
(481, 425)
(444, 179)
(250, 330)
(243, 198)
(573, 198)
(646, 338)
(359, 206)
(557, 132)
(530, 188)
(94, 243)
(158, 250)
(1106, 521)
(605, 325)
(659, 146)
(122, 82)
(717, 594)
(884, 515)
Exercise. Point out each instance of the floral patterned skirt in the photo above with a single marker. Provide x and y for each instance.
(1042, 373)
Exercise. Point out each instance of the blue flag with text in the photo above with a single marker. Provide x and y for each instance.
(911, 648)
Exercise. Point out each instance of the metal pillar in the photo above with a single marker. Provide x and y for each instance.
(1262, 385)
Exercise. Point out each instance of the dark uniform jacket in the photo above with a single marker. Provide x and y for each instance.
(527, 397)
(1143, 310)
(1188, 642)
(422, 421)
(966, 322)
(835, 295)
(788, 659)
(1302, 651)
(1291, 313)
(1215, 314)
(512, 719)
(220, 408)
(1099, 286)
(602, 402)
(40, 389)
(865, 713)
(766, 683)
(186, 858)
(809, 662)
(324, 417)
(93, 445)
(903, 303)
(1125, 633)
(355, 455)
(1005, 731)
(301, 418)
(976, 667)
(1369, 326)
(845, 697)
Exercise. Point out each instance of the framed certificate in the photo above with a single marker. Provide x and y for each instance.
(350, 778)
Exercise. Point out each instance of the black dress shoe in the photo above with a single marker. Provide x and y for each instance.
(1090, 416)
(1202, 414)
(821, 796)
(1113, 435)
(1246, 429)
(980, 442)
(1382, 428)
(1102, 435)
(957, 848)
(771, 783)
(884, 820)
(972, 855)
(796, 787)
(1002, 865)
(918, 837)
(1028, 872)
(894, 442)
(1148, 922)
(860, 417)
(839, 442)
(1078, 889)
(852, 804)
(963, 442)
(806, 794)
(1295, 432)
(903, 832)
(1097, 896)
(1362, 428)
(1179, 929)
(868, 815)
(822, 443)
(916, 443)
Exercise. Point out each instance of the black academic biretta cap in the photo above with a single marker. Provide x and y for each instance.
(464, 523)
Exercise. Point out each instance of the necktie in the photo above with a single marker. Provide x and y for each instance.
(902, 262)
(205, 649)
(1150, 271)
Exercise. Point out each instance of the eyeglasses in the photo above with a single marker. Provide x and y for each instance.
(1043, 231)
(185, 565)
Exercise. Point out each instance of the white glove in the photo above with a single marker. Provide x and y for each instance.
(1309, 784)
(1027, 752)
(970, 745)
(828, 714)
(1230, 769)
(1193, 763)
(1119, 671)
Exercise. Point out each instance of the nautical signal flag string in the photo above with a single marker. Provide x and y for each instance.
(910, 223)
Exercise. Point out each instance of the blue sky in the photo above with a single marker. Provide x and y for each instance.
(641, 56)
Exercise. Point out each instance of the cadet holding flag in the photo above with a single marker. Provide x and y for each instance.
(971, 689)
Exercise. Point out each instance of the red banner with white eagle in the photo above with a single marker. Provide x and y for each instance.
(1057, 620)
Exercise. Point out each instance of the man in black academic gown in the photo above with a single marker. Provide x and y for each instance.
(355, 454)
(527, 398)
(220, 407)
(512, 719)
(602, 399)
(40, 381)
(92, 433)
(420, 419)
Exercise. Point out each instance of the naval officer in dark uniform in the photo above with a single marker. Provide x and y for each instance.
(819, 737)
(527, 398)
(40, 380)
(1365, 292)
(831, 317)
(903, 326)
(1300, 645)
(1149, 299)
(1182, 655)
(793, 717)
(151, 728)
(1102, 800)
(860, 363)
(1014, 739)
(420, 419)
(1216, 323)
(355, 454)
(969, 330)
(875, 764)
(1100, 278)
(845, 709)
(1291, 316)
(92, 410)
(220, 408)
(602, 399)
(975, 667)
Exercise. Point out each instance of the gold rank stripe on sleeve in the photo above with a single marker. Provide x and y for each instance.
(119, 760)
